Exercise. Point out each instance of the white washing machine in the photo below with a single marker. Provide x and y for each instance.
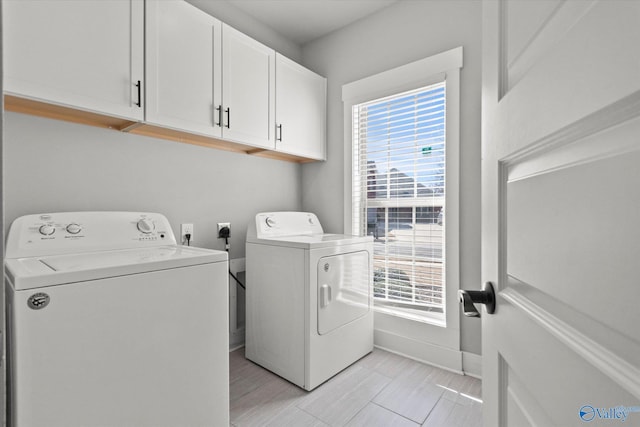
(309, 310)
(111, 323)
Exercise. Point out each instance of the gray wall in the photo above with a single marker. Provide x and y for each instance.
(402, 33)
(231, 15)
(57, 166)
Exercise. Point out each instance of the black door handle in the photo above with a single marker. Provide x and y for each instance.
(486, 296)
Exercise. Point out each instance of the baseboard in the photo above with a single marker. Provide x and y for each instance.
(460, 362)
(236, 338)
(232, 349)
(441, 357)
(472, 364)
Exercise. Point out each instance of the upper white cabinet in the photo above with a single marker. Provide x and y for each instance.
(183, 74)
(82, 54)
(161, 68)
(248, 89)
(206, 77)
(301, 99)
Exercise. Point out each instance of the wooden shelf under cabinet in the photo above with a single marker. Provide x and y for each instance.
(59, 112)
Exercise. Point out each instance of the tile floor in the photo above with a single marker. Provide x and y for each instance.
(382, 389)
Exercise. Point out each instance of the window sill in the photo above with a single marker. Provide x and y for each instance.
(411, 314)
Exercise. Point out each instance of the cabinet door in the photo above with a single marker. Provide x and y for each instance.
(248, 69)
(300, 110)
(84, 54)
(183, 59)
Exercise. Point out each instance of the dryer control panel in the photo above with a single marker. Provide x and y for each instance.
(277, 224)
(73, 232)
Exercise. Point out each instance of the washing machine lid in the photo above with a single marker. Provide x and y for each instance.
(312, 241)
(34, 272)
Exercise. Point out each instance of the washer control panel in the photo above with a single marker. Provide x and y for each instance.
(72, 232)
(276, 224)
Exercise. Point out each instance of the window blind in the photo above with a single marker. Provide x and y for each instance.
(399, 194)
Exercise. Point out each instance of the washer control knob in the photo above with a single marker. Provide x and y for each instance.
(270, 222)
(146, 226)
(47, 230)
(73, 228)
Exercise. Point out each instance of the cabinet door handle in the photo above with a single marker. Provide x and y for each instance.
(228, 111)
(139, 86)
(219, 110)
(280, 129)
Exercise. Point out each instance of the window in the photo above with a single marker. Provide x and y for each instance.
(401, 170)
(399, 188)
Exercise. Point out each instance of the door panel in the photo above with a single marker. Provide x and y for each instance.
(519, 401)
(573, 233)
(343, 289)
(533, 28)
(86, 54)
(300, 109)
(184, 86)
(588, 64)
(570, 361)
(248, 89)
(524, 24)
(561, 197)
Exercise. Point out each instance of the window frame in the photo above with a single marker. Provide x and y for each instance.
(421, 73)
(361, 192)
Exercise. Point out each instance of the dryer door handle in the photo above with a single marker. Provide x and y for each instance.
(325, 295)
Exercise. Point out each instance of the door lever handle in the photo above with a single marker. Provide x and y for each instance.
(486, 296)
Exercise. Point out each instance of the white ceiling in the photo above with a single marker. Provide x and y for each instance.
(302, 21)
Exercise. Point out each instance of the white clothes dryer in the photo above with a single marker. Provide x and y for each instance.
(309, 303)
(111, 323)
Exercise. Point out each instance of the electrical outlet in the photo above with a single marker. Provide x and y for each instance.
(184, 230)
(222, 225)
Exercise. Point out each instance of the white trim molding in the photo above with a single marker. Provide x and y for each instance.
(431, 343)
(440, 357)
(459, 362)
(472, 364)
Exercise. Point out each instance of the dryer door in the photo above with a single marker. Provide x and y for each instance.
(344, 287)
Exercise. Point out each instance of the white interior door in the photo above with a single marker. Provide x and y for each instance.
(561, 211)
